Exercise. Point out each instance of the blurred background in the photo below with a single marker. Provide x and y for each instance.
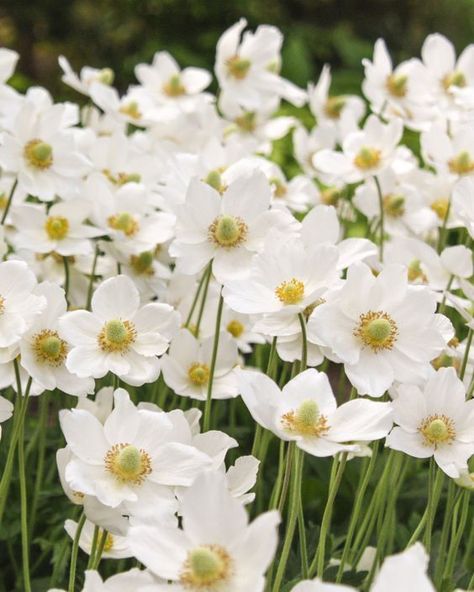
(122, 33)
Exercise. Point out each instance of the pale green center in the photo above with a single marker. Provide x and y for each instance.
(39, 154)
(228, 231)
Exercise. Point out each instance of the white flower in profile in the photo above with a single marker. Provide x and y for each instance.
(449, 154)
(365, 153)
(306, 144)
(286, 279)
(130, 457)
(306, 412)
(241, 477)
(217, 548)
(435, 422)
(342, 111)
(381, 328)
(19, 305)
(186, 366)
(247, 69)
(404, 571)
(118, 335)
(102, 404)
(115, 547)
(6, 411)
(166, 84)
(86, 78)
(226, 229)
(43, 348)
(42, 152)
(61, 229)
(463, 203)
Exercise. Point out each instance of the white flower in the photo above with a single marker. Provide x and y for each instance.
(451, 155)
(247, 69)
(87, 77)
(118, 335)
(102, 404)
(133, 580)
(365, 153)
(129, 458)
(228, 230)
(436, 421)
(61, 230)
(217, 547)
(44, 350)
(186, 367)
(284, 280)
(18, 304)
(381, 328)
(42, 152)
(306, 412)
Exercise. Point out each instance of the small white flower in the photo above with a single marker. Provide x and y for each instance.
(436, 421)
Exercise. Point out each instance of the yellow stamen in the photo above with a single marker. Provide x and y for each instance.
(198, 374)
(228, 231)
(367, 158)
(117, 336)
(437, 429)
(49, 348)
(128, 464)
(377, 330)
(206, 569)
(290, 292)
(38, 154)
(57, 227)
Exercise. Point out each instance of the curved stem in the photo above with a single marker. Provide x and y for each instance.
(215, 348)
(100, 549)
(90, 287)
(9, 203)
(66, 279)
(196, 297)
(436, 484)
(206, 279)
(74, 553)
(304, 346)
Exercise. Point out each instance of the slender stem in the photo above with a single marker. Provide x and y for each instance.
(442, 306)
(381, 229)
(334, 484)
(304, 346)
(456, 534)
(276, 493)
(90, 287)
(74, 553)
(437, 480)
(466, 354)
(301, 528)
(292, 518)
(95, 538)
(207, 277)
(356, 511)
(7, 471)
(259, 430)
(42, 428)
(196, 296)
(445, 530)
(9, 202)
(66, 278)
(100, 549)
(215, 348)
(25, 548)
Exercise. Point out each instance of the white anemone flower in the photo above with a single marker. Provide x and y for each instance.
(61, 229)
(435, 422)
(463, 203)
(43, 348)
(86, 78)
(186, 366)
(247, 69)
(19, 305)
(451, 155)
(226, 229)
(286, 279)
(118, 335)
(134, 579)
(365, 153)
(217, 548)
(130, 457)
(381, 328)
(306, 412)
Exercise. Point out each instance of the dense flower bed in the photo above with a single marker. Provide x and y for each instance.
(172, 289)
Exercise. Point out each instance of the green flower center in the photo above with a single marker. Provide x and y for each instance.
(199, 374)
(228, 231)
(38, 154)
(174, 87)
(437, 429)
(397, 85)
(206, 568)
(117, 336)
(49, 348)
(238, 67)
(128, 464)
(377, 330)
(367, 158)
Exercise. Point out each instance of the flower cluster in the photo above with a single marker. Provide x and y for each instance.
(161, 267)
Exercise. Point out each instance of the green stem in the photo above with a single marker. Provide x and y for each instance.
(17, 426)
(90, 287)
(442, 306)
(304, 346)
(302, 529)
(466, 354)
(456, 535)
(66, 279)
(204, 278)
(215, 348)
(100, 549)
(445, 530)
(337, 471)
(381, 229)
(42, 429)
(74, 553)
(276, 493)
(356, 511)
(436, 485)
(9, 202)
(95, 538)
(442, 231)
(292, 517)
(25, 550)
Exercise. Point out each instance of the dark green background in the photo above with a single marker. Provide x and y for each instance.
(121, 33)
